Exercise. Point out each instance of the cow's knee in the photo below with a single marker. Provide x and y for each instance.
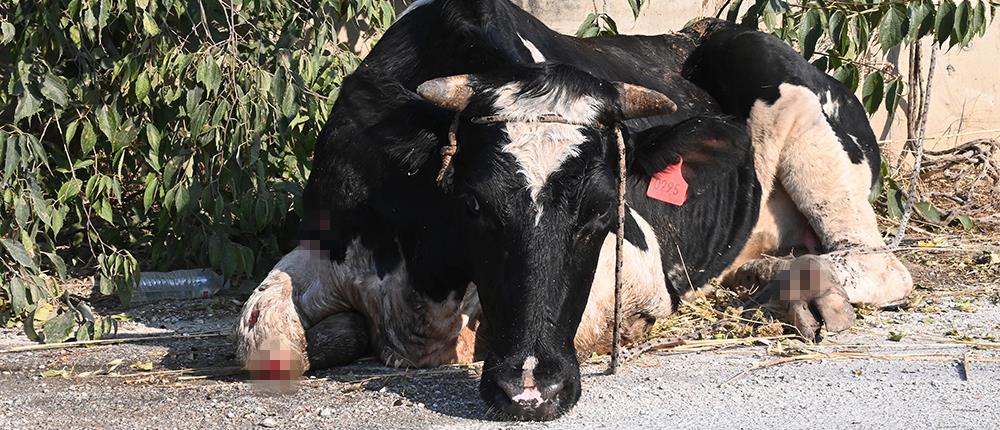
(337, 340)
(874, 279)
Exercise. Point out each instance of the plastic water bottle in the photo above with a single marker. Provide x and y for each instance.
(179, 284)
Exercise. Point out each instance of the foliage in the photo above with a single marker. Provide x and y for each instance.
(175, 133)
(851, 39)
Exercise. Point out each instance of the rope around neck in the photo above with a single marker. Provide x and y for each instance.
(448, 153)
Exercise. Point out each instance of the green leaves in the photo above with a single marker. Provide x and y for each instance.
(921, 16)
(27, 105)
(19, 254)
(209, 74)
(597, 24)
(872, 92)
(60, 328)
(69, 189)
(54, 89)
(848, 31)
(88, 138)
(6, 32)
(149, 25)
(810, 30)
(893, 92)
(636, 6)
(893, 27)
(160, 131)
(944, 21)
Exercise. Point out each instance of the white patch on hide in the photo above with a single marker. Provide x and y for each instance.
(831, 108)
(796, 149)
(541, 148)
(643, 285)
(535, 53)
(413, 6)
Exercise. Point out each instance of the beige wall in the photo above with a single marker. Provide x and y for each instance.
(965, 97)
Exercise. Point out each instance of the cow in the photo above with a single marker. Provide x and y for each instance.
(462, 200)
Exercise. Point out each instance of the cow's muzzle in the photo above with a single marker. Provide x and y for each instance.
(526, 394)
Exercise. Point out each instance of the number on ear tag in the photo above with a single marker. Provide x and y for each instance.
(669, 185)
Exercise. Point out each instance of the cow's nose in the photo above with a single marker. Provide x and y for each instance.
(539, 403)
(529, 397)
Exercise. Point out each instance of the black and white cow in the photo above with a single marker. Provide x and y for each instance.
(512, 259)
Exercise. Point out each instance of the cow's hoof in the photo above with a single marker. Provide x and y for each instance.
(810, 295)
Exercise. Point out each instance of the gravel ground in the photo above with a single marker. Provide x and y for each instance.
(923, 380)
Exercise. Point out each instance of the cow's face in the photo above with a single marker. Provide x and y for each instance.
(540, 199)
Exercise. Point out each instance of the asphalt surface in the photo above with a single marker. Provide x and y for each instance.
(906, 369)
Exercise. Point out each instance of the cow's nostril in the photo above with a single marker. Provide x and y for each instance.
(532, 402)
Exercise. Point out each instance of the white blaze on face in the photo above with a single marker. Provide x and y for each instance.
(536, 55)
(530, 393)
(541, 148)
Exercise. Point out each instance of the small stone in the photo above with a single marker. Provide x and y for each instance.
(230, 414)
(383, 390)
(398, 402)
(326, 412)
(419, 405)
(268, 423)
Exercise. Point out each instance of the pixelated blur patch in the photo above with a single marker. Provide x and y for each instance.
(276, 367)
(805, 280)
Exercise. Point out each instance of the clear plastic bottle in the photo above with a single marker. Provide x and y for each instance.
(179, 284)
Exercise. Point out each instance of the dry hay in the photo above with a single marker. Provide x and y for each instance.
(964, 180)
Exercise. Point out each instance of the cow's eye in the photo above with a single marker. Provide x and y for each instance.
(472, 204)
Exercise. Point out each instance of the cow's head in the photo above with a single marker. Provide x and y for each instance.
(540, 200)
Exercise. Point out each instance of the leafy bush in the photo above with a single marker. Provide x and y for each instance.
(174, 133)
(850, 39)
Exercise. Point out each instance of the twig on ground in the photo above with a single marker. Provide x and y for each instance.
(966, 367)
(77, 344)
(965, 361)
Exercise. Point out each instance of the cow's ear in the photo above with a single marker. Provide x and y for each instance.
(642, 102)
(452, 92)
(709, 147)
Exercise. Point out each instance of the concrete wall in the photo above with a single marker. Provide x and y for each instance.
(965, 97)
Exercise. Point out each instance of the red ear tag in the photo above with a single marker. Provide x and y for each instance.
(669, 185)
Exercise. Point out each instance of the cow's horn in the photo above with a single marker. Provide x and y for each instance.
(452, 93)
(640, 102)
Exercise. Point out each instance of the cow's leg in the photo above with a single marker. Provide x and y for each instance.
(311, 313)
(798, 153)
(337, 340)
(280, 331)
